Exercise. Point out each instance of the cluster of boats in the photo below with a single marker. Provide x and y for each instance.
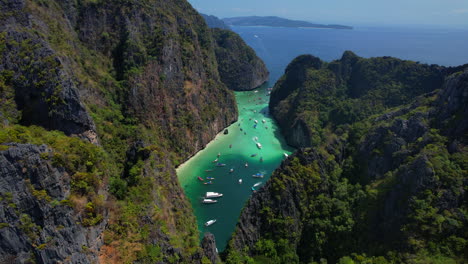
(210, 199)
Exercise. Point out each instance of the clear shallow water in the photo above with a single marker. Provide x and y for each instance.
(253, 105)
(277, 47)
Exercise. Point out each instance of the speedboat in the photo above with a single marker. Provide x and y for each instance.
(210, 178)
(285, 155)
(210, 222)
(220, 164)
(240, 181)
(209, 201)
(259, 145)
(208, 182)
(255, 121)
(263, 121)
(246, 164)
(258, 175)
(200, 178)
(253, 155)
(213, 195)
(216, 160)
(231, 170)
(257, 184)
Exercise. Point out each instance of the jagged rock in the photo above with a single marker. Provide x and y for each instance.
(37, 228)
(209, 248)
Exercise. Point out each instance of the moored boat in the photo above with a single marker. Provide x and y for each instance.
(208, 182)
(200, 178)
(209, 201)
(253, 155)
(210, 178)
(259, 145)
(220, 164)
(213, 195)
(210, 222)
(258, 175)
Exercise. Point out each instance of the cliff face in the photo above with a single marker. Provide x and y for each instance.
(239, 67)
(390, 188)
(38, 223)
(139, 80)
(164, 52)
(313, 95)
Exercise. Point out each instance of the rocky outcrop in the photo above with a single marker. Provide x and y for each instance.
(214, 22)
(44, 90)
(37, 221)
(238, 65)
(209, 248)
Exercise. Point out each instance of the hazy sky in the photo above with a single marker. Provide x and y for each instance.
(424, 12)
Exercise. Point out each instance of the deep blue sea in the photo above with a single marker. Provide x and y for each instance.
(278, 46)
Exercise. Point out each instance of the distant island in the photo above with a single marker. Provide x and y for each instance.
(274, 21)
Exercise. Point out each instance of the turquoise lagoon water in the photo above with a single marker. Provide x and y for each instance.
(253, 105)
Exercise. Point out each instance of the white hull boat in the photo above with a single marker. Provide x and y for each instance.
(210, 195)
(210, 222)
(209, 201)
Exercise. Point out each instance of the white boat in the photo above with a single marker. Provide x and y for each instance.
(256, 138)
(285, 155)
(255, 121)
(246, 164)
(259, 145)
(209, 201)
(231, 170)
(263, 121)
(210, 222)
(257, 184)
(213, 195)
(258, 175)
(240, 181)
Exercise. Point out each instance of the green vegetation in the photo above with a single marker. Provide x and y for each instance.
(346, 91)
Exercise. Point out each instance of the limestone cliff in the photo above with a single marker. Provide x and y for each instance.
(239, 67)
